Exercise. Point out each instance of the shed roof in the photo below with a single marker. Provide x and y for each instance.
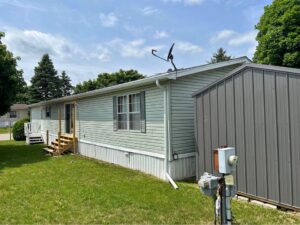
(147, 80)
(245, 66)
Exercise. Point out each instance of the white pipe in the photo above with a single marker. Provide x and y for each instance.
(171, 181)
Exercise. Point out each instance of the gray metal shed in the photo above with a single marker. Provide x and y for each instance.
(255, 108)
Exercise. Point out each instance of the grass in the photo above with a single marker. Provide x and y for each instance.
(36, 188)
(4, 130)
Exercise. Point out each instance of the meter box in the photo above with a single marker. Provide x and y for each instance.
(208, 184)
(227, 160)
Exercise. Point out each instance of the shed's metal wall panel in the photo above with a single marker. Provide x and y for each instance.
(207, 133)
(240, 131)
(294, 85)
(257, 111)
(283, 138)
(249, 133)
(222, 133)
(259, 132)
(271, 135)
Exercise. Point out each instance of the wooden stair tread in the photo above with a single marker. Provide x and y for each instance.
(63, 139)
(61, 143)
(48, 150)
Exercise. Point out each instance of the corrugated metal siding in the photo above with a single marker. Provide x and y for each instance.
(182, 106)
(262, 109)
(148, 164)
(95, 117)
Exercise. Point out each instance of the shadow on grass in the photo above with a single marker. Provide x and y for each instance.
(16, 154)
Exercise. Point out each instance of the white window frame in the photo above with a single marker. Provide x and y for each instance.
(128, 113)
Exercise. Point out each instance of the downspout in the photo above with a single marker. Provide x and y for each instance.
(166, 132)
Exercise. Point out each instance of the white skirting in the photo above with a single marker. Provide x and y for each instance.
(145, 163)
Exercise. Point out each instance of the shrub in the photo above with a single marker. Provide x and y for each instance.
(18, 129)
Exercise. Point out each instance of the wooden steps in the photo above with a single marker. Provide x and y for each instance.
(61, 145)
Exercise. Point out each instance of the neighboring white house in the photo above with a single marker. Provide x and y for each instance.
(147, 124)
(16, 112)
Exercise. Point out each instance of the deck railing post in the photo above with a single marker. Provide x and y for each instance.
(47, 137)
(74, 129)
(59, 129)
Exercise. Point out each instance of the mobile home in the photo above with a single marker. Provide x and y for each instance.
(147, 124)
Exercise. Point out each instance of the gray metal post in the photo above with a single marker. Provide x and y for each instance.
(228, 204)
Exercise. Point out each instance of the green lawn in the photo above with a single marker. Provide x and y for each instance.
(4, 130)
(35, 188)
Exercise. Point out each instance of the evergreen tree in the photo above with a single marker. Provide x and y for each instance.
(45, 84)
(220, 56)
(279, 34)
(11, 79)
(66, 86)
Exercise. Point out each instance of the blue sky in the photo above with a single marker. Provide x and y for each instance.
(91, 36)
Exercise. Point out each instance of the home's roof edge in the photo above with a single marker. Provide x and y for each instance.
(146, 81)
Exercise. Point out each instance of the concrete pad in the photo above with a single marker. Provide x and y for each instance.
(243, 198)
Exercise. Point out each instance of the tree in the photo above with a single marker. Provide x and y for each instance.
(108, 79)
(279, 34)
(66, 86)
(11, 78)
(220, 56)
(23, 94)
(45, 84)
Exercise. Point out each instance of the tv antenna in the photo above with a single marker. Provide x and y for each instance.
(169, 58)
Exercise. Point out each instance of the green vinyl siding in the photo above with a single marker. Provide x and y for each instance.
(182, 106)
(96, 122)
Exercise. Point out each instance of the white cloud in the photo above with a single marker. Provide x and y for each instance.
(222, 35)
(30, 45)
(160, 34)
(32, 42)
(240, 39)
(131, 49)
(149, 10)
(186, 2)
(187, 47)
(234, 40)
(108, 20)
(20, 4)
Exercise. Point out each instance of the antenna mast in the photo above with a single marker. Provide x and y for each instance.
(169, 58)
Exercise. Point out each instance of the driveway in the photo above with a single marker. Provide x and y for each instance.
(4, 137)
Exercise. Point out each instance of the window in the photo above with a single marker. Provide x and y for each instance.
(122, 112)
(48, 111)
(12, 114)
(134, 112)
(129, 112)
